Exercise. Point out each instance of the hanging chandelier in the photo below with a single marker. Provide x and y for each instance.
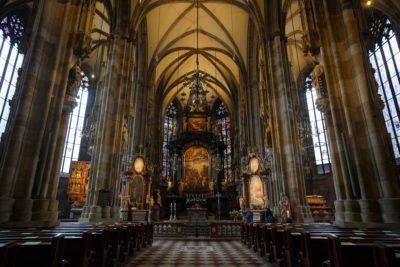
(197, 102)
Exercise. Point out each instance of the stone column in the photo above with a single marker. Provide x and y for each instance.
(383, 176)
(364, 175)
(45, 69)
(109, 145)
(45, 205)
(284, 134)
(340, 174)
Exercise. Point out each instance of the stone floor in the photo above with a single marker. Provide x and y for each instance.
(193, 253)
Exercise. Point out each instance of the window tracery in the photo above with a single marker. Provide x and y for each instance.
(75, 126)
(169, 134)
(11, 28)
(384, 56)
(318, 129)
(223, 124)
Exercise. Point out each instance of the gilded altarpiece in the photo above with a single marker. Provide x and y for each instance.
(254, 184)
(78, 181)
(256, 192)
(196, 171)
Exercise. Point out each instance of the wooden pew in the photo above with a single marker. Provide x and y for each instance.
(309, 245)
(314, 250)
(387, 254)
(77, 250)
(84, 244)
(349, 254)
(41, 253)
(293, 248)
(8, 253)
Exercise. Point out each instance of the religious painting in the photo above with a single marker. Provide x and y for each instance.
(195, 178)
(136, 190)
(78, 181)
(197, 124)
(257, 195)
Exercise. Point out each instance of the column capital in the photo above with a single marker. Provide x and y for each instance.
(322, 104)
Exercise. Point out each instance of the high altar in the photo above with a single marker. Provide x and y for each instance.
(196, 159)
(197, 171)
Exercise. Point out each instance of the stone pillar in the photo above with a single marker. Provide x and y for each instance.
(340, 174)
(109, 145)
(384, 176)
(284, 134)
(45, 205)
(45, 69)
(365, 179)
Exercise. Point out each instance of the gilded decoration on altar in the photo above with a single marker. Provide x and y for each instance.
(78, 181)
(197, 124)
(196, 174)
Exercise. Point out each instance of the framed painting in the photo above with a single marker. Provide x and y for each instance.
(197, 124)
(196, 171)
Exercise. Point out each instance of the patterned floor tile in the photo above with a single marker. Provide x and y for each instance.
(197, 253)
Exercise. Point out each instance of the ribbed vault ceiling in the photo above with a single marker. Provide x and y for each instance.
(222, 40)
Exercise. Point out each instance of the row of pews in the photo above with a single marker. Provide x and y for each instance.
(74, 244)
(309, 245)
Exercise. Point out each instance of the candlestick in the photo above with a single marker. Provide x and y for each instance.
(171, 212)
(174, 211)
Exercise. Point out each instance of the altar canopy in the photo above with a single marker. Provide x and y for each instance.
(196, 171)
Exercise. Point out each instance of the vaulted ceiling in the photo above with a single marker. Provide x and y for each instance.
(222, 42)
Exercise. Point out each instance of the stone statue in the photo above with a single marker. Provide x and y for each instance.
(284, 207)
(211, 186)
(159, 197)
(125, 135)
(317, 72)
(380, 104)
(241, 203)
(74, 80)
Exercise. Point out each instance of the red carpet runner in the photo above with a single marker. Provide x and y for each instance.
(197, 253)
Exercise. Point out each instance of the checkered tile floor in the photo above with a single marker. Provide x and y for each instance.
(197, 253)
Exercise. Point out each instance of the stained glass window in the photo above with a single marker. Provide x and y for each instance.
(385, 59)
(169, 133)
(318, 130)
(223, 124)
(11, 28)
(75, 127)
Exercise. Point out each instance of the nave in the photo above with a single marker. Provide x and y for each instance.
(259, 244)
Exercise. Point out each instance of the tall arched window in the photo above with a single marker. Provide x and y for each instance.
(75, 127)
(318, 130)
(12, 28)
(169, 133)
(223, 124)
(385, 59)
